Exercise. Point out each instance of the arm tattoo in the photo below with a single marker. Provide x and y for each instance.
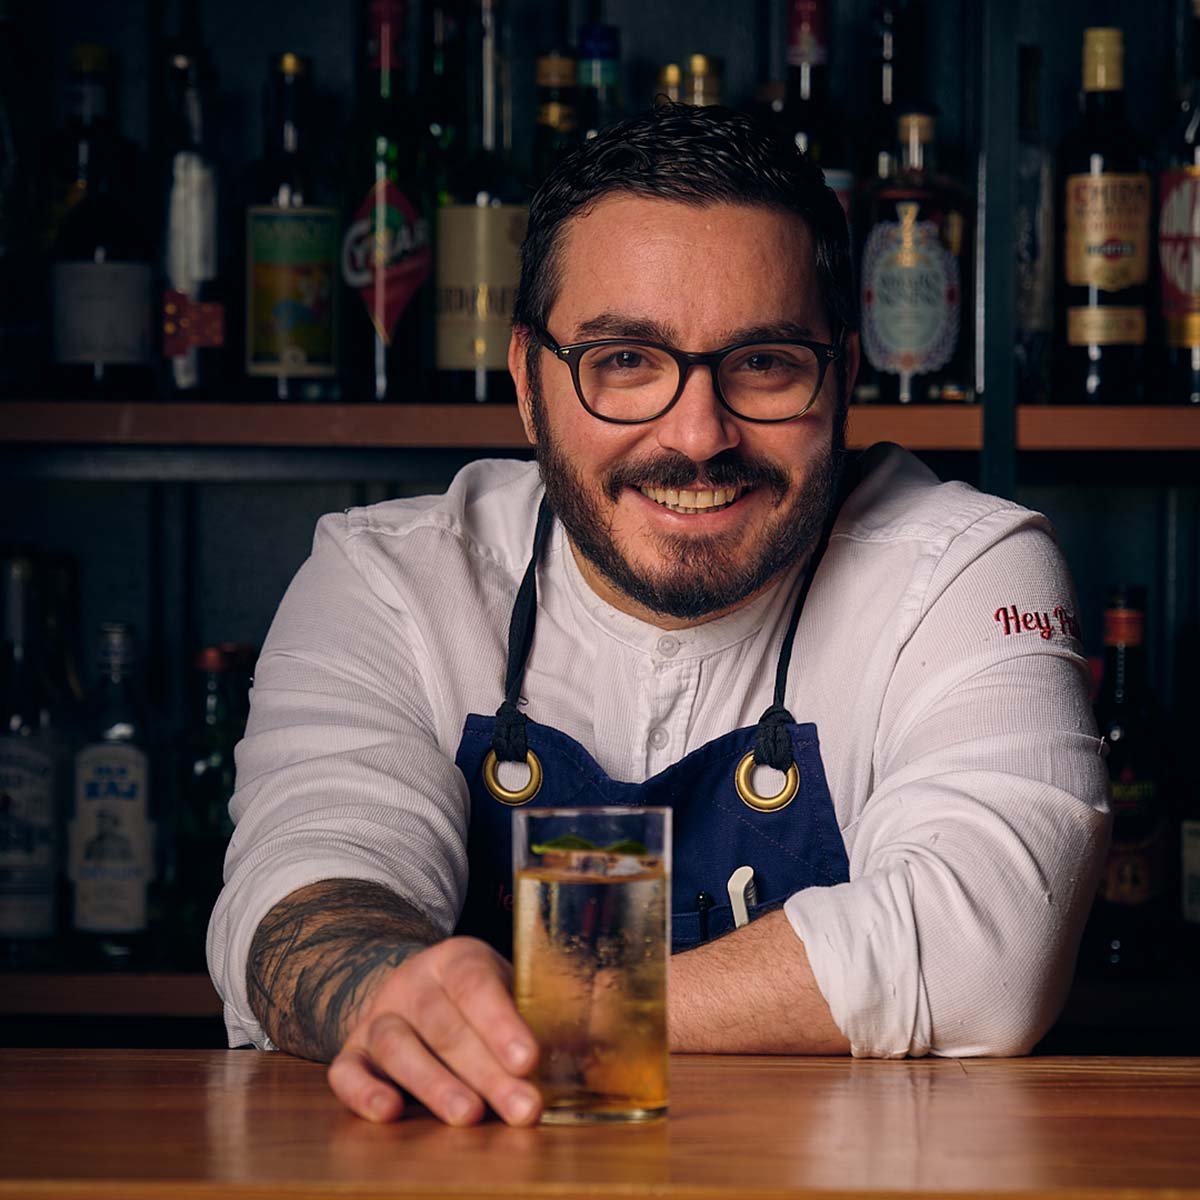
(317, 954)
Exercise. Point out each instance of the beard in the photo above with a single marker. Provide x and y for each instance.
(699, 575)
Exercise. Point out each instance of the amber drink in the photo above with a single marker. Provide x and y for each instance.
(591, 944)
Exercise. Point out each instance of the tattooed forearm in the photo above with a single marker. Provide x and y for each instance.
(317, 954)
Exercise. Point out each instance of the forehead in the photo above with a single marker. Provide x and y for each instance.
(697, 268)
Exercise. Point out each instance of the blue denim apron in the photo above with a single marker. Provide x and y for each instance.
(790, 840)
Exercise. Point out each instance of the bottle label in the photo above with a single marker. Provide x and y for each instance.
(1190, 846)
(1179, 254)
(191, 223)
(111, 839)
(841, 183)
(27, 866)
(808, 41)
(101, 312)
(478, 266)
(910, 296)
(386, 255)
(1107, 231)
(292, 256)
(1135, 871)
(1106, 326)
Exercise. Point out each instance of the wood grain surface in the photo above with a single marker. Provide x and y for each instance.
(242, 1123)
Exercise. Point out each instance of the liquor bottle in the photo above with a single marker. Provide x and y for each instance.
(915, 271)
(241, 658)
(101, 277)
(1034, 238)
(204, 827)
(293, 245)
(556, 133)
(192, 313)
(1104, 235)
(669, 87)
(111, 833)
(600, 103)
(480, 227)
(808, 112)
(702, 80)
(878, 152)
(1179, 241)
(20, 271)
(386, 257)
(1126, 933)
(28, 783)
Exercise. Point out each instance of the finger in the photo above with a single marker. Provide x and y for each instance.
(360, 1089)
(442, 1025)
(394, 1049)
(481, 989)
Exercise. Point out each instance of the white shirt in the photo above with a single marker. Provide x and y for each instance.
(937, 655)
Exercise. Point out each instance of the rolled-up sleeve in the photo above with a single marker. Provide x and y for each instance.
(340, 774)
(975, 858)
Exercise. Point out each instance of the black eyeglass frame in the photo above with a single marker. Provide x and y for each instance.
(572, 354)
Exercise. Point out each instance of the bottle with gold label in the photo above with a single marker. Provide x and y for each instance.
(1104, 199)
(556, 133)
(915, 273)
(702, 80)
(1179, 242)
(1129, 927)
(480, 227)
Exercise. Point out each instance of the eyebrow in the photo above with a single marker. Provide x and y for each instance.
(613, 324)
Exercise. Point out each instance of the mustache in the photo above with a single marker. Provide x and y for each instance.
(725, 470)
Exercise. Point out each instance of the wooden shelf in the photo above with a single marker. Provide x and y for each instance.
(1129, 427)
(382, 426)
(128, 995)
(498, 427)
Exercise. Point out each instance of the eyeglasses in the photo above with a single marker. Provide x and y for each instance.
(628, 381)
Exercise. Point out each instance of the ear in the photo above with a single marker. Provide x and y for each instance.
(518, 346)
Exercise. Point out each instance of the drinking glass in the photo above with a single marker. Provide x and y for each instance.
(591, 943)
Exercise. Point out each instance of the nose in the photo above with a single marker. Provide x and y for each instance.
(698, 425)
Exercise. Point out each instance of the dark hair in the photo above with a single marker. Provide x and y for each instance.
(692, 155)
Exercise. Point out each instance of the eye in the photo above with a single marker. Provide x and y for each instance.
(621, 359)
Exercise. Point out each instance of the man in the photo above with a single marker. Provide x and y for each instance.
(925, 804)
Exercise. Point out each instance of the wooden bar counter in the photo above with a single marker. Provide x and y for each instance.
(131, 1123)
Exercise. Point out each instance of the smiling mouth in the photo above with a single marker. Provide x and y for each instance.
(679, 500)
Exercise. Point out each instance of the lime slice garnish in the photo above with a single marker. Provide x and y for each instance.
(572, 841)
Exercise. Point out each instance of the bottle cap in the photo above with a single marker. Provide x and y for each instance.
(291, 64)
(1125, 615)
(702, 84)
(670, 75)
(87, 58)
(916, 127)
(1103, 60)
(556, 71)
(212, 658)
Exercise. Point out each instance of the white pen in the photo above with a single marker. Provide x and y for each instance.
(742, 894)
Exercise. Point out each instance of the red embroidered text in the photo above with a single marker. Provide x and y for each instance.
(1044, 624)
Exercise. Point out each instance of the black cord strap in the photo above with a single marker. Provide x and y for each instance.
(508, 733)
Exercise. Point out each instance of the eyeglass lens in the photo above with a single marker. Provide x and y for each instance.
(631, 382)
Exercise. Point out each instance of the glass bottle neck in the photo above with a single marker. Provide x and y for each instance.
(916, 155)
(1124, 672)
(1104, 105)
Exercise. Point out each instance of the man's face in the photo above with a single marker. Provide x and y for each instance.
(698, 279)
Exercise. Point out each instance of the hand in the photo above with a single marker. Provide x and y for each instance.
(442, 1026)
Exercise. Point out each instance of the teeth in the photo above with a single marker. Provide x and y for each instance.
(678, 500)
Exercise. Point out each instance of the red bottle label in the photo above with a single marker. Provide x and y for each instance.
(808, 41)
(386, 255)
(1179, 254)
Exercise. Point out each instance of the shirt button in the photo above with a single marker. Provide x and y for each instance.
(659, 738)
(668, 646)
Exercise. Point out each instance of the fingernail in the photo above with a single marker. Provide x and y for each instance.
(459, 1107)
(520, 1107)
(518, 1054)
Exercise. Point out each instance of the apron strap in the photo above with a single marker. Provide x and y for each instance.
(508, 735)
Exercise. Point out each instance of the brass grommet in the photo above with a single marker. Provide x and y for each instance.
(491, 777)
(751, 799)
